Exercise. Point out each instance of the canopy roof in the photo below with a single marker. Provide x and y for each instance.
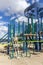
(31, 9)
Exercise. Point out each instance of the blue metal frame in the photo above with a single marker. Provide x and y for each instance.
(34, 10)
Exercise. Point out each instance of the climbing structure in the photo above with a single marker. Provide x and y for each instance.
(35, 11)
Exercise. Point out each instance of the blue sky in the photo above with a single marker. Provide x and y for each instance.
(10, 9)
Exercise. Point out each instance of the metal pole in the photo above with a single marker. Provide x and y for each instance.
(9, 33)
(32, 25)
(29, 27)
(37, 47)
(12, 24)
(14, 29)
(41, 23)
(23, 36)
(19, 28)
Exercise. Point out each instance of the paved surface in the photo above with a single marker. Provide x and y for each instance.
(33, 60)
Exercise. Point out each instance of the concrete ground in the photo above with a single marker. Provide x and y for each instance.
(33, 60)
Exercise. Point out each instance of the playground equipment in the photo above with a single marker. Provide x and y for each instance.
(11, 30)
(32, 32)
(35, 11)
(4, 38)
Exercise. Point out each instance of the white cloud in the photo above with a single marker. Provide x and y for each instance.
(35, 1)
(3, 28)
(13, 6)
(1, 17)
(15, 17)
(22, 18)
(18, 6)
(2, 23)
(6, 14)
(12, 18)
(4, 4)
